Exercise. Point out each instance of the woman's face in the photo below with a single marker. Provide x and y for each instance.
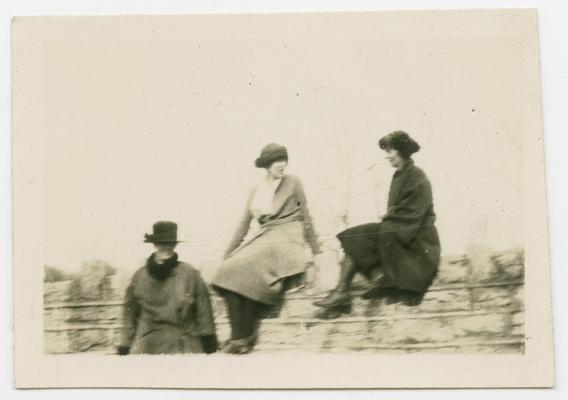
(277, 170)
(394, 158)
(164, 251)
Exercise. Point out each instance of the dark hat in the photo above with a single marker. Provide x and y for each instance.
(401, 142)
(270, 153)
(162, 232)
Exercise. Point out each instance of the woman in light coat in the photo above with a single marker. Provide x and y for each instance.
(256, 271)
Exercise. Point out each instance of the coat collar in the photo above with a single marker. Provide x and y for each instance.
(405, 168)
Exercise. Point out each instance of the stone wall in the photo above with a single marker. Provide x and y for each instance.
(469, 309)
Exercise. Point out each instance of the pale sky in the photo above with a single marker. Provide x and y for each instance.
(163, 120)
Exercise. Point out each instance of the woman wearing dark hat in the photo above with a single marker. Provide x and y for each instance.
(167, 309)
(256, 271)
(400, 254)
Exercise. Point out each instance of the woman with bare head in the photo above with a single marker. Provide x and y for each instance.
(400, 253)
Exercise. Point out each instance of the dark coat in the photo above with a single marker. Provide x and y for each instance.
(169, 316)
(405, 245)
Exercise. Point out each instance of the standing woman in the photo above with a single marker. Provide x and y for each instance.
(166, 307)
(256, 271)
(401, 253)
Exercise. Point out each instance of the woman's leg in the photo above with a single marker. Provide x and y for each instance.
(244, 339)
(249, 319)
(340, 295)
(234, 303)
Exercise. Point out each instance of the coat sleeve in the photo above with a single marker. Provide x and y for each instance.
(241, 232)
(130, 315)
(407, 215)
(204, 322)
(309, 231)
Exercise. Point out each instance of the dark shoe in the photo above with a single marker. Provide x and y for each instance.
(394, 297)
(238, 346)
(334, 298)
(333, 312)
(378, 292)
(412, 299)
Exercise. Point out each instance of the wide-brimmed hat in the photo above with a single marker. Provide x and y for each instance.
(270, 153)
(162, 232)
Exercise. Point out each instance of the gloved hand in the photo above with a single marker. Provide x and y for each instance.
(209, 343)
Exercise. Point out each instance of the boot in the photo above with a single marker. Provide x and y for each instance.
(381, 287)
(340, 295)
(333, 312)
(337, 297)
(411, 299)
(378, 292)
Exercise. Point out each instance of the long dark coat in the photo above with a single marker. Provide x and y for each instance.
(405, 245)
(167, 317)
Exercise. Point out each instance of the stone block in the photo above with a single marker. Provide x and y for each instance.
(299, 335)
(95, 314)
(54, 317)
(453, 270)
(347, 334)
(482, 267)
(89, 315)
(518, 297)
(434, 302)
(437, 301)
(56, 292)
(84, 340)
(411, 331)
(484, 325)
(56, 342)
(518, 324)
(489, 348)
(510, 264)
(492, 297)
(518, 318)
(93, 282)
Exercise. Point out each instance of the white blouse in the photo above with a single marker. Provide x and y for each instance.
(261, 203)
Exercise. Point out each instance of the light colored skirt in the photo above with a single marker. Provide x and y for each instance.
(257, 268)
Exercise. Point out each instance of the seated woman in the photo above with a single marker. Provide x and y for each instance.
(167, 309)
(401, 253)
(256, 271)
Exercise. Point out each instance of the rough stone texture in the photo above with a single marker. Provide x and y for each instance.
(480, 325)
(56, 292)
(518, 298)
(468, 310)
(96, 314)
(491, 297)
(482, 267)
(93, 282)
(454, 270)
(509, 265)
(518, 323)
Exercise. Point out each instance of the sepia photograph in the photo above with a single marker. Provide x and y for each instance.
(338, 190)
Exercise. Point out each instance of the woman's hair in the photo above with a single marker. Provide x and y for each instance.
(269, 164)
(270, 154)
(401, 142)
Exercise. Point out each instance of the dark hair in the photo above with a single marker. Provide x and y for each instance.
(401, 142)
(269, 164)
(271, 153)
